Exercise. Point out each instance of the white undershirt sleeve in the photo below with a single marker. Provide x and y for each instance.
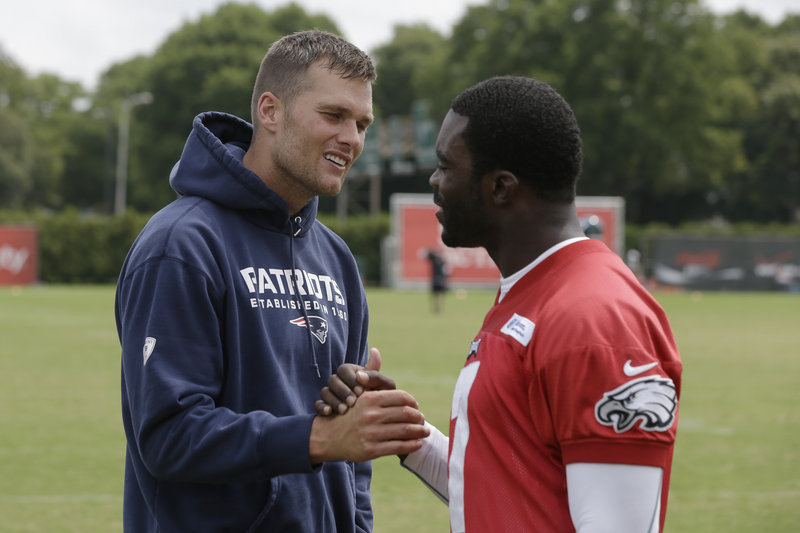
(429, 463)
(603, 498)
(614, 498)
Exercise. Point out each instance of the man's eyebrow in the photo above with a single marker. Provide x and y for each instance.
(336, 108)
(367, 119)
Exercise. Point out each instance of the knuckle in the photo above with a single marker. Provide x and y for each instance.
(409, 413)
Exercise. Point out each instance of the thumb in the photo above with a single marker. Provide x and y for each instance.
(370, 377)
(374, 362)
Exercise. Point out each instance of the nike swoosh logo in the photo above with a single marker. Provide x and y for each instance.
(631, 370)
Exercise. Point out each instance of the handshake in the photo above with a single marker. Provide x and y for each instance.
(362, 416)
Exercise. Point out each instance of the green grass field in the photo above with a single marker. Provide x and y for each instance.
(737, 461)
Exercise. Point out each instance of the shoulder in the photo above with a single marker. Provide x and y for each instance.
(185, 230)
(326, 233)
(332, 244)
(589, 296)
(587, 277)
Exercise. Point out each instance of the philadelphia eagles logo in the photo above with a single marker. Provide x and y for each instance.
(318, 327)
(651, 400)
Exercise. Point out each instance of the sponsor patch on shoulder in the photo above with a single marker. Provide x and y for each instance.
(519, 328)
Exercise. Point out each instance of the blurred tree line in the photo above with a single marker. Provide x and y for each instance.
(686, 114)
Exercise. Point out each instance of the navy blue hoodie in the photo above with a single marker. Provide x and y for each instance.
(231, 314)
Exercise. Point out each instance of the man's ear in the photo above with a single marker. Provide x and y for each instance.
(504, 186)
(269, 110)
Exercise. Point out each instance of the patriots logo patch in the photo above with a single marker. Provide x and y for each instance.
(318, 326)
(651, 400)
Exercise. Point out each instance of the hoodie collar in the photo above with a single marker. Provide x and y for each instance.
(211, 167)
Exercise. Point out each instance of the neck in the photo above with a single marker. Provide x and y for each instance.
(256, 161)
(531, 232)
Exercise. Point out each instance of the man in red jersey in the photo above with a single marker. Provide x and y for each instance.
(564, 415)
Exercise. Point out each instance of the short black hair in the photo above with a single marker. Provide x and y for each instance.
(524, 126)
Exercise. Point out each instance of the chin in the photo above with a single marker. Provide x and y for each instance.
(449, 240)
(459, 241)
(330, 187)
(333, 191)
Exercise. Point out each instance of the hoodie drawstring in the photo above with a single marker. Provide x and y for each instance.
(314, 364)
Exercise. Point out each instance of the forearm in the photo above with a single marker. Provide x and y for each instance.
(429, 463)
(618, 498)
(204, 444)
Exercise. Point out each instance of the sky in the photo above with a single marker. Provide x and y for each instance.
(79, 39)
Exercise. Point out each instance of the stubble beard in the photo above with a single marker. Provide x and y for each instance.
(290, 161)
(297, 180)
(303, 178)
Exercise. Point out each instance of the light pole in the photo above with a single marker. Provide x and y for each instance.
(120, 189)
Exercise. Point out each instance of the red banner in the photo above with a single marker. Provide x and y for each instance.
(19, 255)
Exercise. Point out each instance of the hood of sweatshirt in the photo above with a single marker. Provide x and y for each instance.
(211, 167)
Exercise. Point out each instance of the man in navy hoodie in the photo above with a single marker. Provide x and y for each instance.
(234, 302)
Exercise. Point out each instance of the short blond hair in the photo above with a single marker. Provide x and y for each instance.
(283, 68)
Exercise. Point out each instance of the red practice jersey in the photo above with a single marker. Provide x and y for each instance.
(577, 363)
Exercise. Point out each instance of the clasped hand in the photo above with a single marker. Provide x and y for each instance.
(363, 416)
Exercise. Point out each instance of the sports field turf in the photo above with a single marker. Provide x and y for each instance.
(737, 461)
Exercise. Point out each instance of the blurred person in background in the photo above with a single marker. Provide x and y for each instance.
(439, 273)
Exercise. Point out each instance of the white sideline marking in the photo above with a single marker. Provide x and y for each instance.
(698, 425)
(62, 498)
